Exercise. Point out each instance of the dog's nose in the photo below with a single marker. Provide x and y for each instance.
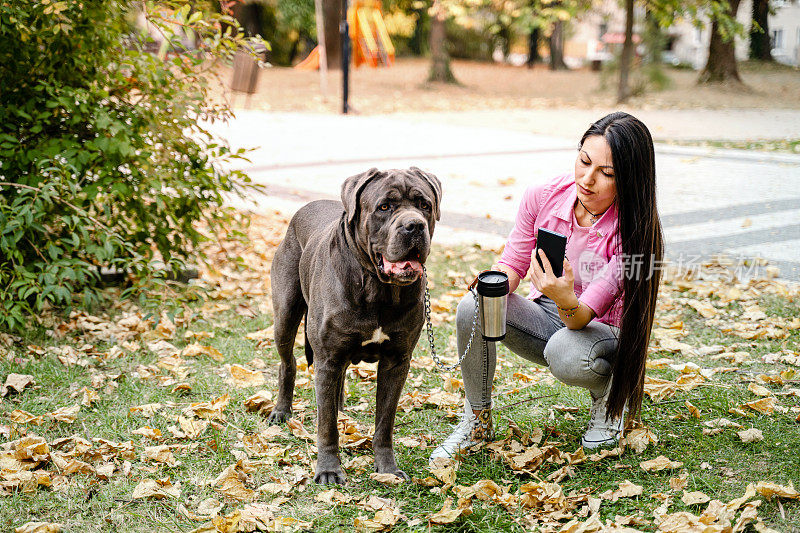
(413, 226)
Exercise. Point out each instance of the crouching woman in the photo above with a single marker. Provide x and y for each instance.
(590, 326)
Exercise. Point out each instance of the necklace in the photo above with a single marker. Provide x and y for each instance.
(594, 217)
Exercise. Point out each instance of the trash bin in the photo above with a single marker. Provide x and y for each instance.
(596, 65)
(245, 69)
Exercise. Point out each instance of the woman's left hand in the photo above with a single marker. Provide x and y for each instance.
(560, 290)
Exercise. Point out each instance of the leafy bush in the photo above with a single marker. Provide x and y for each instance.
(103, 164)
(469, 43)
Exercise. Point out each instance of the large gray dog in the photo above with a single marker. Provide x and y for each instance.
(355, 271)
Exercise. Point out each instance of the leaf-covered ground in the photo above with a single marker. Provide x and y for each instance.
(487, 85)
(124, 420)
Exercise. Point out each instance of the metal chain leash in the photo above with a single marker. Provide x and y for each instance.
(439, 363)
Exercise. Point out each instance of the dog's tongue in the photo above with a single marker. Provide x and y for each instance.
(401, 267)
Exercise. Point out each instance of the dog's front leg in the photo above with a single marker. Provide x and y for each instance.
(392, 373)
(326, 384)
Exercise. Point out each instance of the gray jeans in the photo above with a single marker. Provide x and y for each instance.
(534, 330)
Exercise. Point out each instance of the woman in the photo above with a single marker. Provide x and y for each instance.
(593, 323)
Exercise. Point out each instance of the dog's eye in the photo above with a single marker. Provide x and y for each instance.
(425, 205)
(384, 207)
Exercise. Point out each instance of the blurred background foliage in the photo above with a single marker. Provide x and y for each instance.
(474, 29)
(105, 166)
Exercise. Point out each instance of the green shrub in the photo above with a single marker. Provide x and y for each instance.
(103, 163)
(469, 43)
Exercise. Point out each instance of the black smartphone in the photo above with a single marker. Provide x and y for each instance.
(554, 245)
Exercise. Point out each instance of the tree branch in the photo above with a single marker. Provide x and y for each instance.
(65, 202)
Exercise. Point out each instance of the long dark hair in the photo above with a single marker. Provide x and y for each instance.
(641, 245)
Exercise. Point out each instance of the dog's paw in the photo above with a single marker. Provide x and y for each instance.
(278, 417)
(329, 477)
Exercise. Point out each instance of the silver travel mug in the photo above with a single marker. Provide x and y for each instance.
(492, 290)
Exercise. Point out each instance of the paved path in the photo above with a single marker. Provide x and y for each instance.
(745, 204)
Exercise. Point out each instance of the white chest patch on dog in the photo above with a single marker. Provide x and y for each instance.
(378, 336)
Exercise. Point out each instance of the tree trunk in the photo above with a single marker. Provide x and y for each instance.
(249, 17)
(557, 47)
(533, 47)
(332, 17)
(721, 64)
(419, 42)
(623, 91)
(760, 46)
(504, 36)
(440, 59)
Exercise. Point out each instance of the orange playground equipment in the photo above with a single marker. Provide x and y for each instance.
(311, 62)
(371, 44)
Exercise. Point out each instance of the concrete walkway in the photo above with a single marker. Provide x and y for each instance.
(743, 203)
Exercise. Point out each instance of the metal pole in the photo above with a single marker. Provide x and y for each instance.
(344, 30)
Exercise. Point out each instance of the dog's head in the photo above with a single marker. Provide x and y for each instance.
(392, 214)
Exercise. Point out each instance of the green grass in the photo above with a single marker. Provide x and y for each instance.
(720, 465)
(789, 146)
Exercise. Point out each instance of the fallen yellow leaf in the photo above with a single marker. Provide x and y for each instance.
(31, 448)
(242, 377)
(659, 463)
(89, 396)
(275, 488)
(209, 410)
(765, 405)
(146, 410)
(260, 401)
(447, 515)
(66, 414)
(192, 427)
(771, 490)
(751, 435)
(230, 483)
(196, 349)
(626, 490)
(694, 411)
(704, 307)
(386, 479)
(256, 517)
(156, 489)
(759, 390)
(148, 432)
(298, 429)
(40, 527)
(680, 482)
(639, 439)
(23, 417)
(332, 497)
(160, 454)
(694, 498)
(16, 382)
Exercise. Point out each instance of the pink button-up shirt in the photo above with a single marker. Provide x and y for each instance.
(598, 268)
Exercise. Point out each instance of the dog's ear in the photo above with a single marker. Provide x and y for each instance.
(436, 186)
(351, 191)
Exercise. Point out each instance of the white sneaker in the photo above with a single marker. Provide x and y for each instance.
(471, 431)
(602, 432)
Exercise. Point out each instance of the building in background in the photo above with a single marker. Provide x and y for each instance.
(784, 29)
(594, 37)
